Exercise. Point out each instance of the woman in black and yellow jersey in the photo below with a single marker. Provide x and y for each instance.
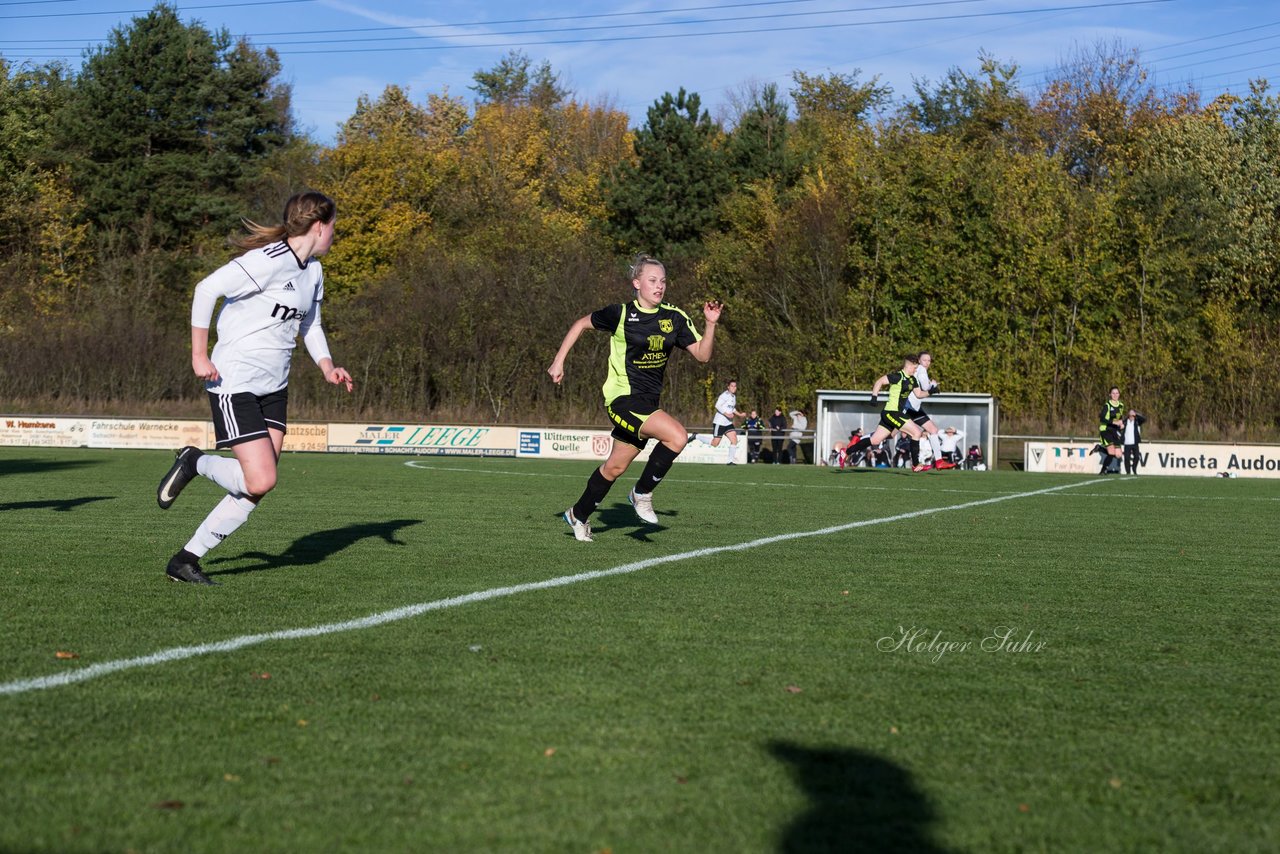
(642, 333)
(1111, 432)
(895, 415)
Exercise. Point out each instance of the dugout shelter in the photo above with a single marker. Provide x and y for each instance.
(839, 413)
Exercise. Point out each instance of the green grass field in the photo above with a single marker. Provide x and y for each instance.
(722, 685)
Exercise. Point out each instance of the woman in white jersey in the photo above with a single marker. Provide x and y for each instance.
(722, 422)
(924, 421)
(271, 295)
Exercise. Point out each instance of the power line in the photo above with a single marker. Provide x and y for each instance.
(644, 37)
(1045, 73)
(1252, 29)
(644, 24)
(1233, 56)
(1219, 47)
(595, 16)
(825, 25)
(145, 11)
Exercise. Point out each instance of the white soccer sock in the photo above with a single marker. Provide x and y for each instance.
(936, 444)
(224, 471)
(732, 452)
(704, 438)
(230, 513)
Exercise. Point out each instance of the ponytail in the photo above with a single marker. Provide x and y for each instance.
(301, 212)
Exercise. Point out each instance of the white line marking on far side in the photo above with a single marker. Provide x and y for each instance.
(165, 656)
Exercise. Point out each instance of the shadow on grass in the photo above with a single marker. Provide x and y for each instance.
(864, 470)
(858, 802)
(623, 516)
(42, 466)
(314, 548)
(61, 505)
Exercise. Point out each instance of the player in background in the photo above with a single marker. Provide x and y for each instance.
(271, 295)
(923, 421)
(1111, 432)
(642, 334)
(722, 422)
(894, 416)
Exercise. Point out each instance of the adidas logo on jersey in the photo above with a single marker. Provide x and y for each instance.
(289, 286)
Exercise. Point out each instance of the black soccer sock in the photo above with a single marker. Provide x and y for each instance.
(659, 464)
(915, 452)
(860, 446)
(598, 487)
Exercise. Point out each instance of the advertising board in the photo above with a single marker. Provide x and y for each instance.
(1160, 458)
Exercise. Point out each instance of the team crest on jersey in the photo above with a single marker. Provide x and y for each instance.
(666, 325)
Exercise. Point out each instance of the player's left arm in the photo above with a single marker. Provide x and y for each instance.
(318, 346)
(701, 349)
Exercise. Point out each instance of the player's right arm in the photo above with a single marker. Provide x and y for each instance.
(231, 280)
(582, 324)
(880, 383)
(200, 362)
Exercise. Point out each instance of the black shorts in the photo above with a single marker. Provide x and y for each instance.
(892, 420)
(1111, 435)
(920, 416)
(245, 416)
(718, 430)
(628, 414)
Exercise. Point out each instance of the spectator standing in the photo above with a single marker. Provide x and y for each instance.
(1133, 441)
(777, 433)
(799, 424)
(754, 425)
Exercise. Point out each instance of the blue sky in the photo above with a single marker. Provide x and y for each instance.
(627, 54)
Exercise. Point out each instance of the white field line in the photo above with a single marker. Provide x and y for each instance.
(862, 486)
(166, 656)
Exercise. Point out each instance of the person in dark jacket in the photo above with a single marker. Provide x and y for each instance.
(777, 433)
(754, 425)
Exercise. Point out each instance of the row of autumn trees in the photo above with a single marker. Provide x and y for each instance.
(1044, 247)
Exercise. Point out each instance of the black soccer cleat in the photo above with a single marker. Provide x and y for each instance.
(184, 566)
(182, 472)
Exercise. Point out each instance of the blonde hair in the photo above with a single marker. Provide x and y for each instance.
(301, 212)
(641, 261)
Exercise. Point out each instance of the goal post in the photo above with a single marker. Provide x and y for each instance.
(841, 412)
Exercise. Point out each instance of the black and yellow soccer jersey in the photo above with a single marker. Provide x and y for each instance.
(900, 387)
(1111, 411)
(641, 343)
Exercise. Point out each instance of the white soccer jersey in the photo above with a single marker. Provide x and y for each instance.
(269, 297)
(726, 405)
(922, 377)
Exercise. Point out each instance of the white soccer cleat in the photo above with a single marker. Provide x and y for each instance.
(644, 506)
(581, 530)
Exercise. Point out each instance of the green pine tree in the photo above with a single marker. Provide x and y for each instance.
(166, 124)
(669, 198)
